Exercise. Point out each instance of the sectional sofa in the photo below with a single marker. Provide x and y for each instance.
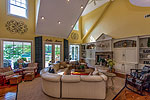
(73, 86)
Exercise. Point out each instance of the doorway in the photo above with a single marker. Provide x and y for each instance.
(52, 54)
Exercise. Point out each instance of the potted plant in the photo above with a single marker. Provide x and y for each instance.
(110, 64)
(82, 67)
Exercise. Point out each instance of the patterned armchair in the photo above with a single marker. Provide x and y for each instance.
(6, 74)
(139, 78)
(31, 68)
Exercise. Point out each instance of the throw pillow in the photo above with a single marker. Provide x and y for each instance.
(145, 76)
(51, 70)
(63, 64)
(56, 67)
(61, 67)
(7, 69)
(95, 73)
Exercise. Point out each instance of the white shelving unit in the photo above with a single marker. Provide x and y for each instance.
(125, 54)
(144, 51)
(90, 54)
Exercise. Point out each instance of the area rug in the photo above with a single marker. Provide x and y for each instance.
(32, 90)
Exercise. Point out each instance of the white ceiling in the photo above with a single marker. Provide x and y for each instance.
(58, 10)
(90, 6)
(141, 3)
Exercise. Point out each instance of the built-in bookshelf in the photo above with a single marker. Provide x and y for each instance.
(83, 51)
(125, 43)
(144, 50)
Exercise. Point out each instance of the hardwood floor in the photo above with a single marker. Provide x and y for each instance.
(8, 92)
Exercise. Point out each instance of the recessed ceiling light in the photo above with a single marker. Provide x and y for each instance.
(68, 0)
(59, 22)
(81, 6)
(42, 17)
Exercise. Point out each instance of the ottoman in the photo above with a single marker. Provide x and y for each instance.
(15, 79)
(29, 77)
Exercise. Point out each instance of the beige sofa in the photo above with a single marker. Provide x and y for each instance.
(51, 84)
(89, 87)
(72, 86)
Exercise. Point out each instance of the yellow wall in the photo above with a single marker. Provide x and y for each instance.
(30, 22)
(122, 19)
(4, 17)
(79, 40)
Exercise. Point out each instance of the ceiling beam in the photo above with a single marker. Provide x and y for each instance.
(98, 20)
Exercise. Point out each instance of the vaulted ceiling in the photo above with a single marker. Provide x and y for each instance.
(92, 5)
(57, 17)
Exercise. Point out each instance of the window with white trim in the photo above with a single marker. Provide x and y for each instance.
(18, 8)
(14, 50)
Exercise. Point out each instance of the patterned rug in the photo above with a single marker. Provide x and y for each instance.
(32, 90)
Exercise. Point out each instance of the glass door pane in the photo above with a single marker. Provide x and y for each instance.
(74, 52)
(57, 53)
(48, 54)
(7, 53)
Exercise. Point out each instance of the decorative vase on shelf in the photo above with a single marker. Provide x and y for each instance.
(148, 42)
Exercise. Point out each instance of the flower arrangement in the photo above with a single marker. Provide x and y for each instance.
(110, 63)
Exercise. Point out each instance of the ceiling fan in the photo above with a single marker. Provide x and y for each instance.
(93, 1)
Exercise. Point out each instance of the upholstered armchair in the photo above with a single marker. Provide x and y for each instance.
(31, 68)
(6, 73)
(139, 78)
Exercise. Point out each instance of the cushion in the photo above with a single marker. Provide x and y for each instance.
(91, 78)
(61, 67)
(63, 64)
(30, 68)
(51, 77)
(6, 69)
(8, 73)
(136, 74)
(68, 65)
(2, 70)
(146, 69)
(103, 76)
(145, 76)
(32, 64)
(95, 73)
(2, 74)
(55, 67)
(51, 70)
(70, 78)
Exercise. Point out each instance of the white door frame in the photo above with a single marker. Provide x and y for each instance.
(53, 50)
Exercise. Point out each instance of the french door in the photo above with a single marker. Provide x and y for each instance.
(52, 54)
